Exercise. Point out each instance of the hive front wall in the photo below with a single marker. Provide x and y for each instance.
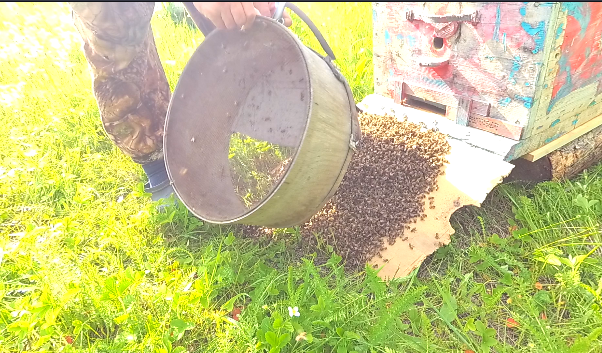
(526, 71)
(571, 81)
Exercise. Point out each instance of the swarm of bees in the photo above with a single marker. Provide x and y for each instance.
(384, 189)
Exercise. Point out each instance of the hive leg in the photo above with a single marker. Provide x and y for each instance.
(565, 162)
(573, 158)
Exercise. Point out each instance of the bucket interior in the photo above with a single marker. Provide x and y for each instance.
(236, 120)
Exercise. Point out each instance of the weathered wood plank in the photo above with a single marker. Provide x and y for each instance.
(495, 126)
(463, 111)
(490, 76)
(451, 100)
(572, 73)
(554, 131)
(506, 109)
(563, 140)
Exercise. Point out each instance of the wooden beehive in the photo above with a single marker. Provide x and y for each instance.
(531, 72)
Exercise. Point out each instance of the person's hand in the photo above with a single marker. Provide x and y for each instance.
(237, 15)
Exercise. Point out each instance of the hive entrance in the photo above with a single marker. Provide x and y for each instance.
(424, 104)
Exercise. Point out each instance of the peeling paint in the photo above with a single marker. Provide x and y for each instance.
(581, 31)
(512, 80)
(565, 89)
(516, 65)
(504, 102)
(527, 101)
(579, 11)
(560, 30)
(554, 122)
(374, 16)
(575, 121)
(434, 82)
(498, 18)
(538, 34)
(550, 139)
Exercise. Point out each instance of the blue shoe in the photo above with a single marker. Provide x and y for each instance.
(163, 191)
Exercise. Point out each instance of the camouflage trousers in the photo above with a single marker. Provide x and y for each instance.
(129, 82)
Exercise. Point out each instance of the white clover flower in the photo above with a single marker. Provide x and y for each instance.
(293, 311)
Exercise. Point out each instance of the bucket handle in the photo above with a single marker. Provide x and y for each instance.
(199, 19)
(278, 17)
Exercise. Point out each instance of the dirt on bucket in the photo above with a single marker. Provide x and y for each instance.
(383, 192)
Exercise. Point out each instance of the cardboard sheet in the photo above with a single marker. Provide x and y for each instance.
(472, 172)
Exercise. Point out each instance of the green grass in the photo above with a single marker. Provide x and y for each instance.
(88, 265)
(256, 166)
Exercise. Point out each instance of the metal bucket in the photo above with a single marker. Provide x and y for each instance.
(258, 112)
